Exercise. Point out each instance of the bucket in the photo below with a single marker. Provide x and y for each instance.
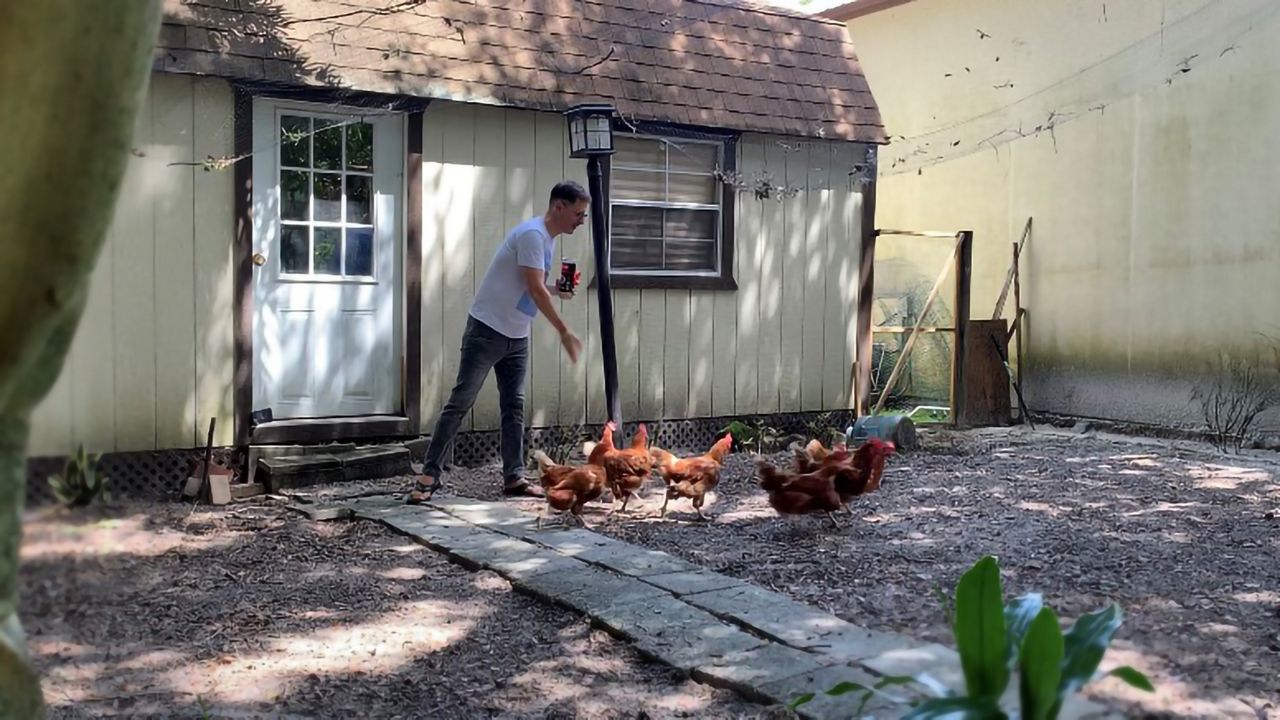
(897, 429)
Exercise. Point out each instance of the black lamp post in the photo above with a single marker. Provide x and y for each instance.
(591, 137)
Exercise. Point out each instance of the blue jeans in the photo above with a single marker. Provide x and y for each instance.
(484, 349)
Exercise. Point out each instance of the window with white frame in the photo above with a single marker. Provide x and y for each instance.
(326, 197)
(667, 207)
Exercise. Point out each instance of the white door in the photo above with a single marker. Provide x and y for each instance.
(327, 205)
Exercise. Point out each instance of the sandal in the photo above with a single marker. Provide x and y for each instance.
(523, 488)
(422, 492)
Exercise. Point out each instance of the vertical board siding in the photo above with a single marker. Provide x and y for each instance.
(836, 305)
(702, 349)
(213, 135)
(626, 330)
(488, 224)
(486, 170)
(748, 257)
(173, 215)
(436, 383)
(724, 353)
(457, 193)
(781, 342)
(133, 250)
(841, 310)
(576, 380)
(812, 345)
(653, 366)
(151, 360)
(675, 358)
(541, 132)
(794, 295)
(773, 249)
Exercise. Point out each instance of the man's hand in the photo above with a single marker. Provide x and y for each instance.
(551, 288)
(536, 282)
(572, 345)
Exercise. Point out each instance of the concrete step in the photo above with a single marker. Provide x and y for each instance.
(320, 468)
(378, 461)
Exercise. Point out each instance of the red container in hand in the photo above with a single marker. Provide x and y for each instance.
(569, 276)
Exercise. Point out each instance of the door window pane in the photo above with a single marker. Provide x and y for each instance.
(295, 248)
(360, 147)
(328, 145)
(328, 197)
(359, 190)
(295, 141)
(360, 251)
(295, 195)
(328, 251)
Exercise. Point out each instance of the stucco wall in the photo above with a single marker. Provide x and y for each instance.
(1141, 138)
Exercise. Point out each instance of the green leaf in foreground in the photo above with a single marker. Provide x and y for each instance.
(1040, 663)
(957, 708)
(979, 630)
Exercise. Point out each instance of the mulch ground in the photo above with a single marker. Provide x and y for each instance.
(155, 611)
(1185, 539)
(254, 610)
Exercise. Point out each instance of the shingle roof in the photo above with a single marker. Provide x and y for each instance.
(712, 63)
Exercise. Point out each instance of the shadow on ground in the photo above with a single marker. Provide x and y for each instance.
(156, 611)
(1185, 539)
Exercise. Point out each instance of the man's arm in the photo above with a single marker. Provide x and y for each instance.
(535, 282)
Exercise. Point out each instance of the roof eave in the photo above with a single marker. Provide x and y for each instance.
(859, 8)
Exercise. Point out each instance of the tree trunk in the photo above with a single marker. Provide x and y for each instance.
(72, 76)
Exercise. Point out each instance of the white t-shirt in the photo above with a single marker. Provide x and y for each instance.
(502, 301)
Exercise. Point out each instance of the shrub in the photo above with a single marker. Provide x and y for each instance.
(1235, 392)
(80, 482)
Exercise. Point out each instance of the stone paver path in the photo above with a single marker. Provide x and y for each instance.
(722, 631)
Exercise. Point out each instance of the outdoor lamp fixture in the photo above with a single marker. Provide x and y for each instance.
(591, 137)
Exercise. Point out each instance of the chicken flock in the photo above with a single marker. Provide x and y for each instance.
(821, 480)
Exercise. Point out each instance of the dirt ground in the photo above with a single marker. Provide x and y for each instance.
(1185, 539)
(254, 610)
(155, 611)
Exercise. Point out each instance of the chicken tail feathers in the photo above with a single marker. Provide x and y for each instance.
(771, 479)
(544, 460)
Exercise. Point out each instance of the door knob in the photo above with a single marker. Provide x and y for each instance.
(259, 259)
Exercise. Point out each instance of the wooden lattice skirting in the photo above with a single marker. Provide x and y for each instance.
(160, 475)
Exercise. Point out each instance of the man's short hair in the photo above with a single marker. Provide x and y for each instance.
(569, 191)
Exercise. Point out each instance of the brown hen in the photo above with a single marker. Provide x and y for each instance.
(691, 477)
(567, 487)
(801, 493)
(627, 469)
